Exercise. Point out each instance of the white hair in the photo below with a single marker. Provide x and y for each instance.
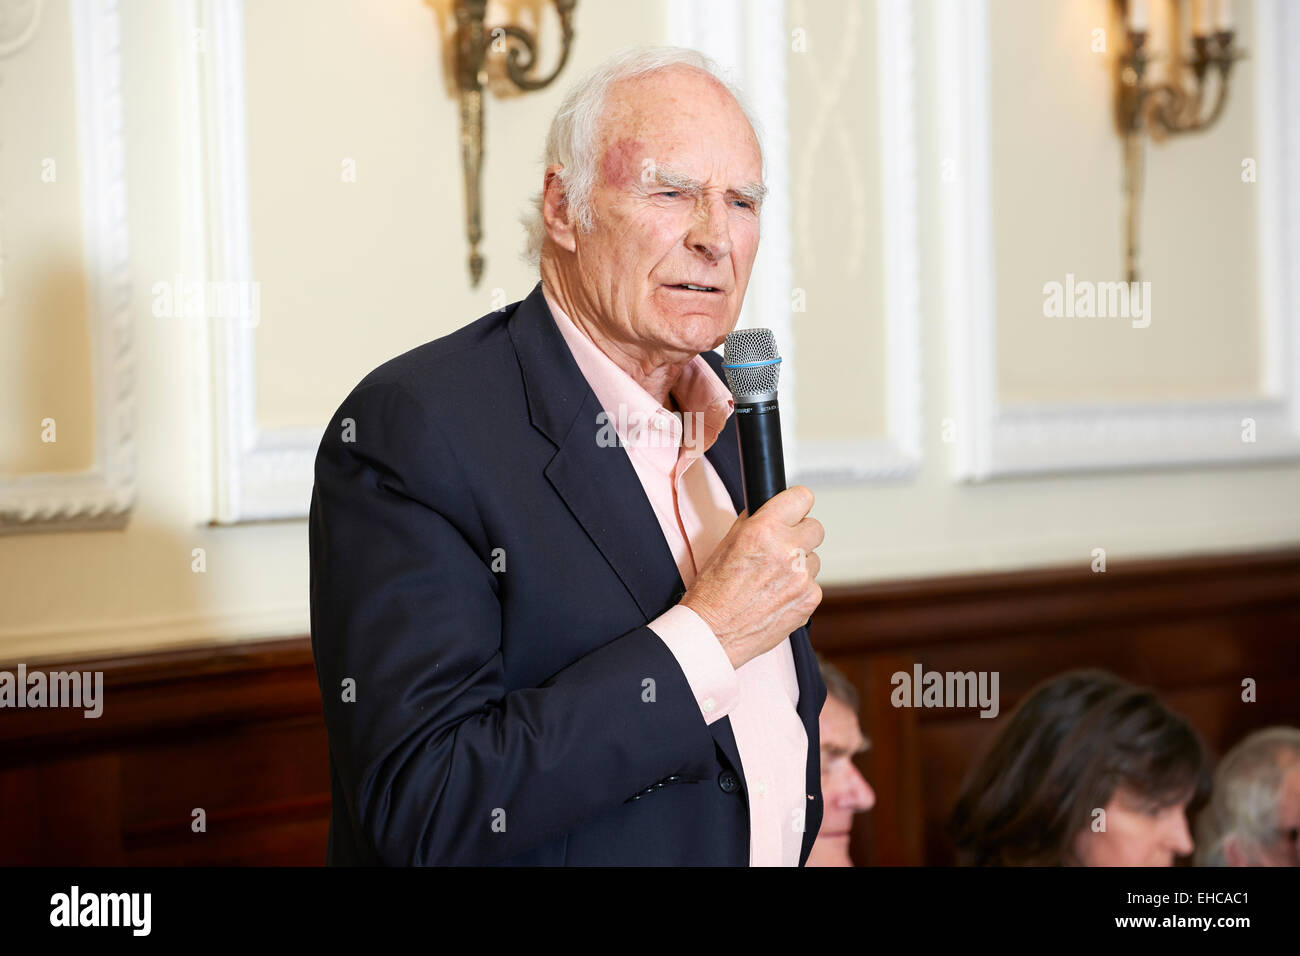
(572, 138)
(1247, 784)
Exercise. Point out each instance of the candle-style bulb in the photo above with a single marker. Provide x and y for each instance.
(1137, 16)
(1225, 16)
(1200, 18)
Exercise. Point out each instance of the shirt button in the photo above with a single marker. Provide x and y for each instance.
(762, 787)
(708, 705)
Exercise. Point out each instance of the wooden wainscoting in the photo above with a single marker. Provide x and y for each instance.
(236, 729)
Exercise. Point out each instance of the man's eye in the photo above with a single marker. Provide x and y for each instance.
(670, 194)
(744, 203)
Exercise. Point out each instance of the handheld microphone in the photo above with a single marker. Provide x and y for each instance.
(752, 367)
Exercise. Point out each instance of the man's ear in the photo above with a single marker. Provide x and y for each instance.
(556, 212)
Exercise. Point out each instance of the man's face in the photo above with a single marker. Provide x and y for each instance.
(675, 202)
(1137, 834)
(844, 790)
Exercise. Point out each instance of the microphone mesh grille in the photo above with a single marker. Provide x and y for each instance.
(743, 347)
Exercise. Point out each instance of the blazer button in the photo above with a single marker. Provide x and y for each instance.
(728, 781)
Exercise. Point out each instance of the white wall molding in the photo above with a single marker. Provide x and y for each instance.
(256, 473)
(994, 440)
(898, 454)
(104, 494)
(745, 39)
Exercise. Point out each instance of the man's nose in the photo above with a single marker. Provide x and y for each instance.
(864, 798)
(710, 234)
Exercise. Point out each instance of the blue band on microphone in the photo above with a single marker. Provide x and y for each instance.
(775, 361)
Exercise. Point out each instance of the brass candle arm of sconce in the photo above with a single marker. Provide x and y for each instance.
(1163, 110)
(473, 43)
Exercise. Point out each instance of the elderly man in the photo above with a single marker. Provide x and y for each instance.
(543, 635)
(1253, 817)
(845, 792)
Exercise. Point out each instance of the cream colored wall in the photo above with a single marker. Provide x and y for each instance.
(44, 335)
(355, 272)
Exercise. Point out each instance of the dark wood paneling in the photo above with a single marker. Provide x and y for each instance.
(237, 729)
(233, 729)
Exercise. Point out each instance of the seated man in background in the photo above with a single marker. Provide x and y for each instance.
(1089, 771)
(1253, 818)
(845, 791)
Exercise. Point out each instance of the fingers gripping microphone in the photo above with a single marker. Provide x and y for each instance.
(752, 366)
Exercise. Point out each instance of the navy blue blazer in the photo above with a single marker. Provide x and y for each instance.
(482, 573)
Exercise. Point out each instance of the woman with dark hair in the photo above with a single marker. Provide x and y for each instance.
(1090, 771)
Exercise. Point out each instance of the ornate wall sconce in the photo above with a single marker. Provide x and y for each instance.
(1175, 105)
(473, 44)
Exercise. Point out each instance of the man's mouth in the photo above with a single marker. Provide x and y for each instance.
(692, 287)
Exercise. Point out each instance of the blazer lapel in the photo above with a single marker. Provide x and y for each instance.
(597, 482)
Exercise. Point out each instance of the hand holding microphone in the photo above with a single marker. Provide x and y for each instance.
(760, 582)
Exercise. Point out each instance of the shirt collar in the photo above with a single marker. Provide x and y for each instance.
(705, 403)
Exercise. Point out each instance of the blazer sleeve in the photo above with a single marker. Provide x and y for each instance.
(440, 764)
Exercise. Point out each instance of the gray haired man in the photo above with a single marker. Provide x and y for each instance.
(1253, 818)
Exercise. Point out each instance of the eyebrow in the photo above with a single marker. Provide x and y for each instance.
(667, 176)
(862, 747)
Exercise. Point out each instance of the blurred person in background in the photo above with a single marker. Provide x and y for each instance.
(845, 792)
(1089, 771)
(1253, 817)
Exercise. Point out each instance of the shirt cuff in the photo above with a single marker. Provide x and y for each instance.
(707, 668)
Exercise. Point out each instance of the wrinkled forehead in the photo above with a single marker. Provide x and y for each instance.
(682, 118)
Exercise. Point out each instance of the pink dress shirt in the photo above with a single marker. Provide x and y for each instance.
(695, 513)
